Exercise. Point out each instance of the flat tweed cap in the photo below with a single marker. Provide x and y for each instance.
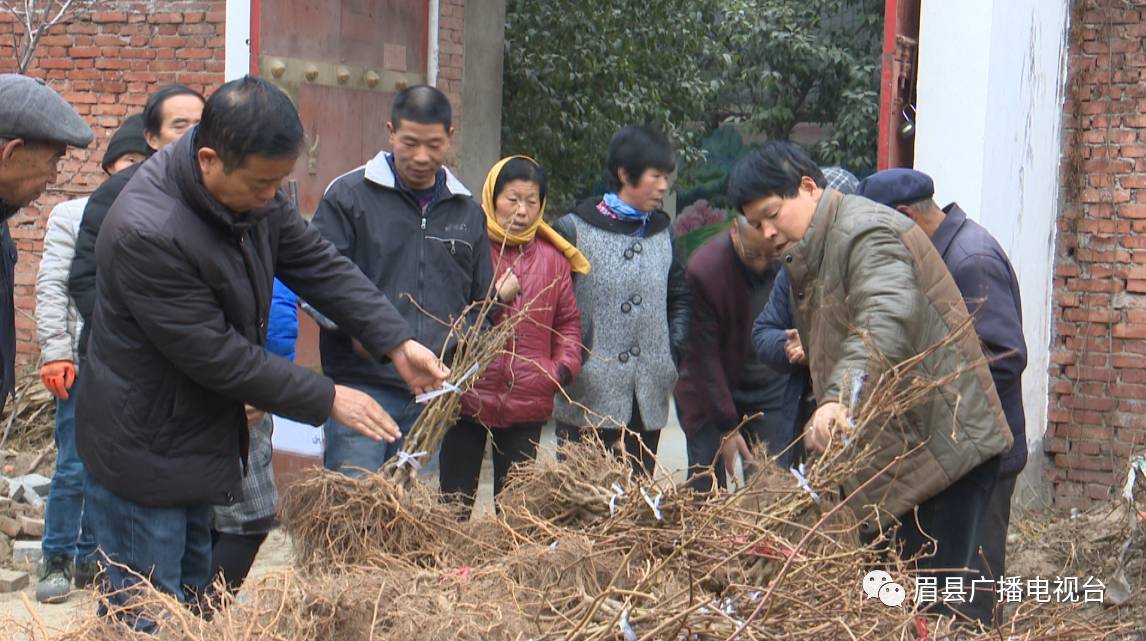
(31, 110)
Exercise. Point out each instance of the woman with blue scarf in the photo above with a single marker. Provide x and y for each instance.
(634, 303)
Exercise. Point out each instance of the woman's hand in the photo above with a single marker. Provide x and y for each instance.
(508, 287)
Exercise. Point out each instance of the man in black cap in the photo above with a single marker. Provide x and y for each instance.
(987, 281)
(67, 542)
(36, 128)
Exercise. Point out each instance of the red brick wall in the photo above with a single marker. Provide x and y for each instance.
(451, 61)
(106, 63)
(1097, 415)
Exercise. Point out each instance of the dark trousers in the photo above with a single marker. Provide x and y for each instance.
(950, 527)
(463, 450)
(992, 560)
(773, 429)
(640, 445)
(232, 556)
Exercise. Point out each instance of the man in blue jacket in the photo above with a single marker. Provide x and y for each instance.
(987, 281)
(774, 335)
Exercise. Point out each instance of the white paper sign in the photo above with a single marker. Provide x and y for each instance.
(296, 438)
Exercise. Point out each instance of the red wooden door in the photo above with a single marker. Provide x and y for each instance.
(897, 83)
(341, 61)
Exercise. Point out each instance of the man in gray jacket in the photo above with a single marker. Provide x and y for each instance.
(68, 542)
(871, 293)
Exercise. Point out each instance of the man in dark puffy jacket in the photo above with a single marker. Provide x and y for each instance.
(186, 260)
(411, 226)
(990, 288)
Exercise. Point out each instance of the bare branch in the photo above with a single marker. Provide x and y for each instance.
(37, 18)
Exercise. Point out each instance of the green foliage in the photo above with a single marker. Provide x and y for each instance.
(707, 177)
(805, 61)
(576, 72)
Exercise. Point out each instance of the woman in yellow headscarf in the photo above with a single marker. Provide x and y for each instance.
(533, 268)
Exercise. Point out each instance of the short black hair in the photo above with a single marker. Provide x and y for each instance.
(153, 111)
(422, 104)
(247, 117)
(635, 149)
(773, 170)
(520, 169)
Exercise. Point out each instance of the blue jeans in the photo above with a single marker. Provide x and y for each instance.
(171, 545)
(346, 449)
(67, 528)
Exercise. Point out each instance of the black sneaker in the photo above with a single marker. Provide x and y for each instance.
(55, 580)
(85, 573)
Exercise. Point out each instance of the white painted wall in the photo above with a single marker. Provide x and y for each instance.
(991, 85)
(237, 55)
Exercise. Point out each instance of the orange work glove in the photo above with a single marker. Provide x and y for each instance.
(58, 377)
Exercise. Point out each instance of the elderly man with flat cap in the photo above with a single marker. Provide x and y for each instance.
(987, 281)
(36, 128)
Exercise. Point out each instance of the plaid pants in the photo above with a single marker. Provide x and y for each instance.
(255, 513)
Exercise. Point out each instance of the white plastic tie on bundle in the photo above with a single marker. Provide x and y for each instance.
(406, 458)
(447, 387)
(655, 504)
(627, 630)
(801, 477)
(618, 492)
(1137, 467)
(858, 378)
(729, 607)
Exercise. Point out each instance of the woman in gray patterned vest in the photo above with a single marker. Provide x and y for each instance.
(634, 304)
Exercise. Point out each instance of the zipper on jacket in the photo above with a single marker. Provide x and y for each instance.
(421, 273)
(421, 260)
(248, 265)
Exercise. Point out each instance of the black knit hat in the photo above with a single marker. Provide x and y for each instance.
(127, 139)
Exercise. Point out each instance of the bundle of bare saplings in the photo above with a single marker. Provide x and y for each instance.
(580, 549)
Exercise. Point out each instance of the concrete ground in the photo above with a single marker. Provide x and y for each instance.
(275, 553)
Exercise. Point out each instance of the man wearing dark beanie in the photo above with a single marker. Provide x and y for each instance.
(69, 549)
(127, 147)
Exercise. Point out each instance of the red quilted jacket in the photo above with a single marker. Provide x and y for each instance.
(518, 387)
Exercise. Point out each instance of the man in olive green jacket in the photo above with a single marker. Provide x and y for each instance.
(871, 292)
